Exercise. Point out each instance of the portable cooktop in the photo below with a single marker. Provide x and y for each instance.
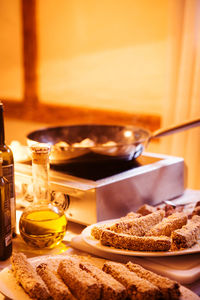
(92, 193)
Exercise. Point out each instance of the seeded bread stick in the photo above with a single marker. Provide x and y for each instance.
(135, 243)
(188, 235)
(169, 289)
(27, 276)
(137, 288)
(167, 225)
(97, 229)
(130, 216)
(111, 288)
(82, 284)
(138, 226)
(57, 288)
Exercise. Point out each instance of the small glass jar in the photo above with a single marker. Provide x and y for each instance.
(42, 224)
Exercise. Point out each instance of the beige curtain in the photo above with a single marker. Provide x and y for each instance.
(183, 89)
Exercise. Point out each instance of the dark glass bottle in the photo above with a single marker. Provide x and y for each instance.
(8, 169)
(5, 216)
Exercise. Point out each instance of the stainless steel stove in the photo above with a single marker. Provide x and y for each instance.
(91, 194)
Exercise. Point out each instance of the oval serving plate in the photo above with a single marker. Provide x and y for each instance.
(89, 239)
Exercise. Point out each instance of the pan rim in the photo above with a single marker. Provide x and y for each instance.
(133, 128)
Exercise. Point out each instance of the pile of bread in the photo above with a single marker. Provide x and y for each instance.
(151, 229)
(76, 277)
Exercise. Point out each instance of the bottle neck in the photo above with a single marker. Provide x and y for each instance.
(2, 134)
(1, 164)
(40, 183)
(1, 170)
(40, 173)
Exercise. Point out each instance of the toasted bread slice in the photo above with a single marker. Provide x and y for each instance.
(27, 276)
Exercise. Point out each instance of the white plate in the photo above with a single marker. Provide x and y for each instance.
(89, 239)
(9, 287)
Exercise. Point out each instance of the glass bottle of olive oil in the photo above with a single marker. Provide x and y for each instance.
(8, 170)
(42, 224)
(5, 216)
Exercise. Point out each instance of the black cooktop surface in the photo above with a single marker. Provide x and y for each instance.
(100, 170)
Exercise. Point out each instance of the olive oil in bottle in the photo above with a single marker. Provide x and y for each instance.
(42, 224)
(8, 170)
(5, 216)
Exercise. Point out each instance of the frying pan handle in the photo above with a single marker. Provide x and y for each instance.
(173, 129)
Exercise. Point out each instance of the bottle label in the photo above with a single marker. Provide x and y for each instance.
(7, 214)
(8, 173)
(8, 240)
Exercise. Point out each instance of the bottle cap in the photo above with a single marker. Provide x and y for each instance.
(40, 153)
(1, 107)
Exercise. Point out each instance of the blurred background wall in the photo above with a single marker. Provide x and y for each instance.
(99, 54)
